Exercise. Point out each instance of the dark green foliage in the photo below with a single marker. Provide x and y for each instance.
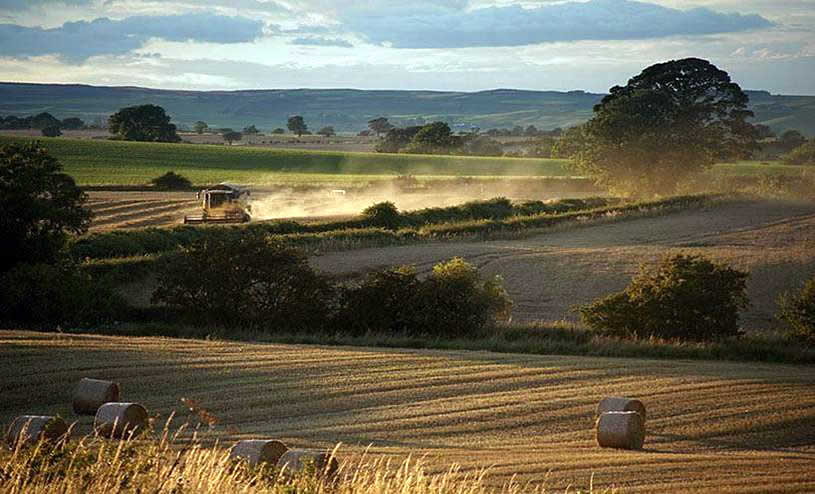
(379, 125)
(327, 131)
(297, 125)
(247, 281)
(43, 120)
(279, 131)
(802, 155)
(143, 123)
(798, 311)
(670, 122)
(482, 146)
(684, 298)
(251, 130)
(230, 136)
(51, 131)
(452, 302)
(200, 126)
(48, 295)
(40, 205)
(382, 214)
(791, 139)
(396, 139)
(72, 123)
(433, 138)
(172, 181)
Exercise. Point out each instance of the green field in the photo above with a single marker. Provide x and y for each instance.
(134, 163)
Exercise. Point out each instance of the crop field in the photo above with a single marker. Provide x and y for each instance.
(711, 426)
(93, 162)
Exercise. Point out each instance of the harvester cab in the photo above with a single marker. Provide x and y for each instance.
(223, 203)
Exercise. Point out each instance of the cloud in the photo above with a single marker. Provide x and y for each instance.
(322, 42)
(26, 4)
(77, 41)
(514, 25)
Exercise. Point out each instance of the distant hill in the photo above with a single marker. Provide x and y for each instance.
(350, 109)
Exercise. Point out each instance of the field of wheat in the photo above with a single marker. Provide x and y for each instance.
(711, 426)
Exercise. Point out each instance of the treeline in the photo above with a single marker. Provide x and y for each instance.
(40, 121)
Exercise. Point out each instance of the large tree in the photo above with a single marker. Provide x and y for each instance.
(379, 125)
(143, 123)
(40, 205)
(297, 125)
(673, 120)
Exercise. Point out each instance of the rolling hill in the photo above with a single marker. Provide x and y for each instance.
(349, 109)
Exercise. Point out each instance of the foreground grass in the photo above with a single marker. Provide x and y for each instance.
(134, 163)
(93, 465)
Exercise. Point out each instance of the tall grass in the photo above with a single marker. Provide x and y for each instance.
(166, 464)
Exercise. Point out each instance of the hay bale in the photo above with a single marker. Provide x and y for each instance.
(120, 419)
(90, 394)
(27, 429)
(298, 460)
(625, 430)
(256, 451)
(617, 404)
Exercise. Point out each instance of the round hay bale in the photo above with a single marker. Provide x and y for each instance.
(90, 394)
(256, 451)
(624, 430)
(27, 429)
(120, 419)
(617, 404)
(299, 460)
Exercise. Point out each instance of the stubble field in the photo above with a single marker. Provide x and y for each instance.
(715, 427)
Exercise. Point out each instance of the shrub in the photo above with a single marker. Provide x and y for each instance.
(244, 280)
(452, 302)
(798, 311)
(801, 155)
(57, 294)
(51, 131)
(172, 181)
(383, 214)
(685, 297)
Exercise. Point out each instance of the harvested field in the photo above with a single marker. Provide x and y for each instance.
(715, 427)
(114, 210)
(549, 273)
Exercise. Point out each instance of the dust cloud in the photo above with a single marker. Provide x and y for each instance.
(335, 201)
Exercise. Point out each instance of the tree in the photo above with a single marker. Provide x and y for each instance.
(673, 120)
(40, 205)
(278, 131)
(396, 139)
(230, 135)
(200, 127)
(379, 125)
(327, 131)
(531, 131)
(433, 137)
(297, 125)
(51, 131)
(251, 130)
(791, 139)
(72, 123)
(802, 155)
(143, 123)
(43, 120)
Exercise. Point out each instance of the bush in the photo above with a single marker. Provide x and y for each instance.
(801, 155)
(244, 280)
(172, 181)
(798, 311)
(51, 131)
(57, 294)
(685, 298)
(383, 214)
(452, 302)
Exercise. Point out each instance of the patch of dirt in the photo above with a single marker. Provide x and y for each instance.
(549, 273)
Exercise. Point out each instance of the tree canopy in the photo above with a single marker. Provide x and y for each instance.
(327, 131)
(379, 125)
(671, 121)
(297, 125)
(143, 123)
(40, 205)
(200, 127)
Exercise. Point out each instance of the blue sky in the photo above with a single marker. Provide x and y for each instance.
(386, 44)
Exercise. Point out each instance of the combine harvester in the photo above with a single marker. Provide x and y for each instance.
(223, 203)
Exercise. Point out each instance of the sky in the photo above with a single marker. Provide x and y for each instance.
(462, 45)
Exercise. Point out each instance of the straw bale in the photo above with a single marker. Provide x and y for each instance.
(618, 404)
(623, 430)
(90, 394)
(31, 428)
(256, 451)
(298, 460)
(120, 419)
